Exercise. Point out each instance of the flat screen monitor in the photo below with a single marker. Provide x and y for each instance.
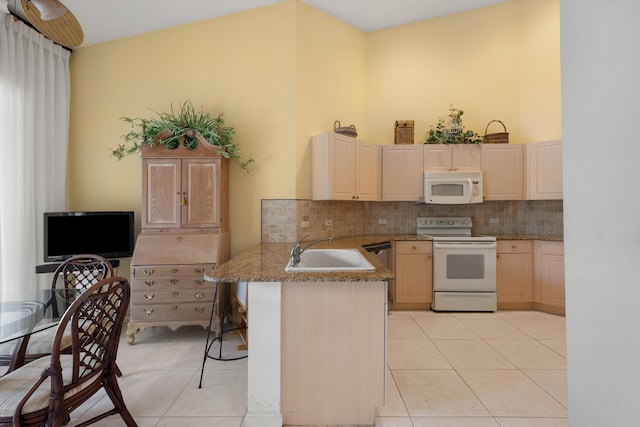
(109, 234)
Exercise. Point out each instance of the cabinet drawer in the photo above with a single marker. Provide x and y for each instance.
(179, 270)
(178, 311)
(414, 247)
(514, 247)
(171, 283)
(172, 296)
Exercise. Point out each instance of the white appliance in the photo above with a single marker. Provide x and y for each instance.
(464, 265)
(453, 187)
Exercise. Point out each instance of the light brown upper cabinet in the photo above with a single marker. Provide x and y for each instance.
(452, 157)
(544, 170)
(344, 168)
(402, 172)
(502, 166)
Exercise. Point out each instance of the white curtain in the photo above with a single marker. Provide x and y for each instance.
(34, 122)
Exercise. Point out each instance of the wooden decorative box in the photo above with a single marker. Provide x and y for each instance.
(404, 132)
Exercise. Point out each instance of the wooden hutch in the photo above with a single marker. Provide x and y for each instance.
(184, 234)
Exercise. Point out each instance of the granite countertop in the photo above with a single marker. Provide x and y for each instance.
(265, 262)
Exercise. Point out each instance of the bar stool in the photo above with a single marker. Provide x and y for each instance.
(219, 337)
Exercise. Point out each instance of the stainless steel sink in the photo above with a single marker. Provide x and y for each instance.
(331, 260)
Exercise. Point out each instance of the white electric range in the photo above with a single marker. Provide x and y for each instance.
(464, 265)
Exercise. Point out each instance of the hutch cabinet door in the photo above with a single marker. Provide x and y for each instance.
(200, 199)
(161, 193)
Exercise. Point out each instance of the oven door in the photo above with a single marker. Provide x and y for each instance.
(464, 266)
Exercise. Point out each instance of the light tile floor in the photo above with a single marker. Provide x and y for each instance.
(444, 370)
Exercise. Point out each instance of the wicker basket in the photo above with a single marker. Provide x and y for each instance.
(349, 131)
(496, 138)
(404, 132)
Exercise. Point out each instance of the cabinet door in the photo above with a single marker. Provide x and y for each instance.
(503, 171)
(161, 193)
(437, 157)
(413, 268)
(342, 167)
(367, 174)
(544, 170)
(466, 157)
(200, 198)
(550, 273)
(402, 173)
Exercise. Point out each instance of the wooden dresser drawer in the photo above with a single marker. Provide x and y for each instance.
(149, 283)
(414, 247)
(172, 296)
(178, 311)
(514, 247)
(141, 271)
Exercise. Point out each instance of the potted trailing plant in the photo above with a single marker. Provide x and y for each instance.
(454, 132)
(186, 126)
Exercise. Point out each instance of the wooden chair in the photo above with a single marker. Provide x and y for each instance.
(70, 279)
(95, 320)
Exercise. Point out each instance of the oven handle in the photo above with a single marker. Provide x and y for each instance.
(470, 190)
(464, 245)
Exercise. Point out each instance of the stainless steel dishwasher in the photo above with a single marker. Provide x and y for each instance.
(382, 253)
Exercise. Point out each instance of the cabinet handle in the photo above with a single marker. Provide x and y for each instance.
(174, 270)
(183, 200)
(174, 293)
(198, 309)
(174, 308)
(199, 282)
(199, 270)
(149, 283)
(149, 296)
(199, 295)
(174, 281)
(149, 271)
(513, 246)
(148, 311)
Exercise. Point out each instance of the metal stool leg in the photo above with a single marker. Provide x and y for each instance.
(220, 337)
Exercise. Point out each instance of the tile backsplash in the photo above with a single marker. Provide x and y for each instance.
(282, 218)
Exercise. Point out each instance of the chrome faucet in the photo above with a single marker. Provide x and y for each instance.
(297, 251)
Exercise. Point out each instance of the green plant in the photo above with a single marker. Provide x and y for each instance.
(454, 133)
(188, 125)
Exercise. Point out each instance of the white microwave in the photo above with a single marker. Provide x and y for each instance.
(453, 188)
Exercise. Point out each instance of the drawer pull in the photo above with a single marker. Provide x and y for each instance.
(149, 296)
(148, 271)
(148, 311)
(174, 293)
(199, 295)
(199, 270)
(199, 282)
(174, 270)
(513, 246)
(174, 308)
(149, 282)
(198, 309)
(174, 281)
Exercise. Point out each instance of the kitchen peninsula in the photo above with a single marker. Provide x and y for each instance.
(317, 340)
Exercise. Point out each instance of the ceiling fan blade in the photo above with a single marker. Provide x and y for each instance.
(49, 9)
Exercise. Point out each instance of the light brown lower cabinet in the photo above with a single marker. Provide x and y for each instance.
(412, 264)
(333, 352)
(529, 275)
(514, 274)
(549, 277)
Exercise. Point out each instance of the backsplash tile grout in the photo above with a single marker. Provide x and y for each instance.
(282, 218)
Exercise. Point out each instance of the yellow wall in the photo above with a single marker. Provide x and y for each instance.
(242, 65)
(284, 72)
(498, 62)
(331, 63)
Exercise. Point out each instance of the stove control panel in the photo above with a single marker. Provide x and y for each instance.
(443, 222)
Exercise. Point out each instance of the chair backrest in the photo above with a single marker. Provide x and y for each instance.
(95, 319)
(75, 275)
